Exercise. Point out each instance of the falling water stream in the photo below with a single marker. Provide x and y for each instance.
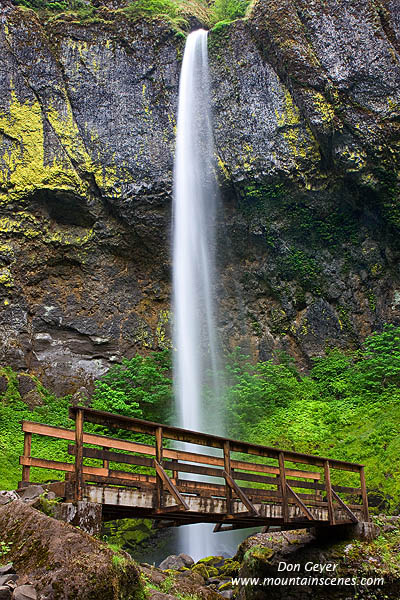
(194, 213)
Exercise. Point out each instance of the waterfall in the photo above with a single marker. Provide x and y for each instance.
(195, 204)
(194, 214)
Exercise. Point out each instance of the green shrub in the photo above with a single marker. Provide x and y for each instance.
(228, 10)
(139, 387)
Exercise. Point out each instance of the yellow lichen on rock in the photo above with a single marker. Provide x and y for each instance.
(323, 108)
(23, 165)
(163, 339)
(298, 137)
(6, 278)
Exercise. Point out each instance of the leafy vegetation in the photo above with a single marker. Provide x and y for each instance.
(177, 11)
(346, 407)
(140, 387)
(4, 550)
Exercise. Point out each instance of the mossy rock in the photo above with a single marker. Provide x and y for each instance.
(205, 571)
(259, 554)
(211, 560)
(230, 567)
(227, 585)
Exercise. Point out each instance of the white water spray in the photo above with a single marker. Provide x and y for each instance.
(195, 206)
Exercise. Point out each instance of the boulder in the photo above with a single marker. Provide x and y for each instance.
(206, 571)
(6, 497)
(188, 583)
(188, 560)
(227, 594)
(172, 562)
(24, 592)
(5, 592)
(156, 576)
(5, 569)
(61, 561)
(4, 579)
(31, 492)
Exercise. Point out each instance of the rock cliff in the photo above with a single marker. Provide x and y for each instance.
(306, 99)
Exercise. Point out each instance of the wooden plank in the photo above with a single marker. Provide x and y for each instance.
(123, 478)
(227, 473)
(345, 507)
(184, 435)
(329, 491)
(120, 482)
(283, 488)
(169, 509)
(60, 466)
(117, 457)
(78, 455)
(364, 495)
(172, 489)
(300, 503)
(312, 485)
(48, 430)
(178, 466)
(246, 501)
(237, 464)
(27, 453)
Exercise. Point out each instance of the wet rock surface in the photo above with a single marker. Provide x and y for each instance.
(60, 561)
(306, 103)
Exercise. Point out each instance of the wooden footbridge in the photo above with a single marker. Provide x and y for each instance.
(232, 484)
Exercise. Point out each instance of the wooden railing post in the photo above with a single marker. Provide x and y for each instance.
(106, 463)
(27, 453)
(79, 455)
(228, 470)
(175, 475)
(328, 487)
(282, 474)
(364, 495)
(159, 458)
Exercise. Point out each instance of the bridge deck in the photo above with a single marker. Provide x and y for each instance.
(231, 483)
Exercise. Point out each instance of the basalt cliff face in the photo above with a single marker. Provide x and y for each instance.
(306, 101)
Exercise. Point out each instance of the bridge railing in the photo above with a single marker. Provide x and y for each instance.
(205, 465)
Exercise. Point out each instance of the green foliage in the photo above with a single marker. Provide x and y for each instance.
(251, 385)
(53, 6)
(347, 407)
(4, 550)
(296, 264)
(46, 505)
(139, 387)
(176, 11)
(53, 411)
(228, 10)
(169, 9)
